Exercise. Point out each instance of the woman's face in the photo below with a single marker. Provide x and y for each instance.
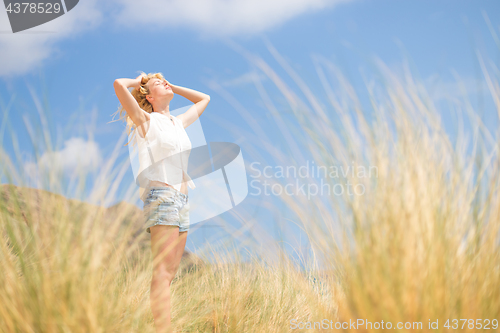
(158, 89)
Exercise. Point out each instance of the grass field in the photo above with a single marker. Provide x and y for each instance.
(420, 245)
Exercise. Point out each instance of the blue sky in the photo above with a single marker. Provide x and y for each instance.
(69, 65)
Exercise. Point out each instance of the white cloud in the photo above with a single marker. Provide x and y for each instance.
(77, 157)
(216, 18)
(23, 51)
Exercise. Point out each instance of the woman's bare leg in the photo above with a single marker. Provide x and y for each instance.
(165, 242)
(180, 249)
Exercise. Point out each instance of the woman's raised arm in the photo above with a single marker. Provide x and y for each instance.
(199, 99)
(128, 101)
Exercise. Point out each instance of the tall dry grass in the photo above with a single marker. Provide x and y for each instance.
(420, 244)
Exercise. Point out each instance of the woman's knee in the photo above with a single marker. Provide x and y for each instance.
(164, 272)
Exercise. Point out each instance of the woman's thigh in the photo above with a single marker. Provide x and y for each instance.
(165, 241)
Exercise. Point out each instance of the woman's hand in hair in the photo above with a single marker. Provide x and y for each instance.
(139, 81)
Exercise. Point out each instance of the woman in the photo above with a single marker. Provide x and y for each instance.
(166, 204)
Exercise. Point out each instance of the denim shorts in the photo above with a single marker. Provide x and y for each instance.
(166, 206)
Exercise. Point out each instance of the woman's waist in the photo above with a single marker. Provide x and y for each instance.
(154, 183)
(164, 179)
(161, 187)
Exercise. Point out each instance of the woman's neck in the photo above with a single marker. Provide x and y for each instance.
(162, 109)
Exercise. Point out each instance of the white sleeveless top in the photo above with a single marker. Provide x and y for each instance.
(163, 153)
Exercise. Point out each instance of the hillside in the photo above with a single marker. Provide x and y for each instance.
(35, 207)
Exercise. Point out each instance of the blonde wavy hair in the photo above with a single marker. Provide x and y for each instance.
(140, 97)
